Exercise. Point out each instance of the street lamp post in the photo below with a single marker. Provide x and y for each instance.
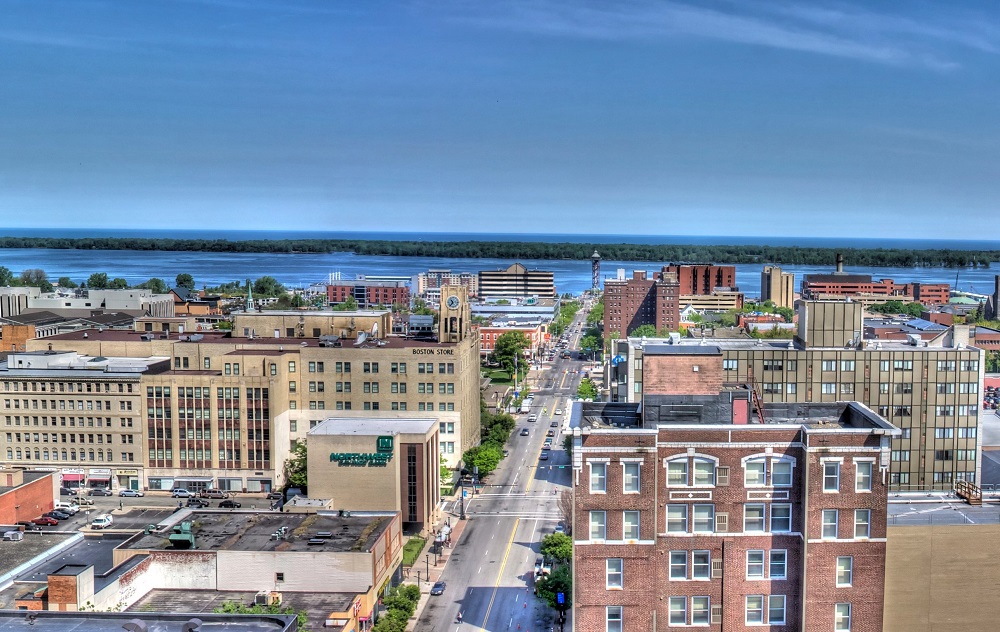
(427, 560)
(461, 501)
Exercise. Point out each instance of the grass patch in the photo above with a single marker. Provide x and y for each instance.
(412, 549)
(500, 377)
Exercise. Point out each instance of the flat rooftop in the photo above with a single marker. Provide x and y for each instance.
(316, 605)
(778, 344)
(254, 531)
(48, 621)
(920, 509)
(374, 425)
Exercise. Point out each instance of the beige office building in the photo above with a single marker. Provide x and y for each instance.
(229, 408)
(377, 464)
(777, 286)
(932, 390)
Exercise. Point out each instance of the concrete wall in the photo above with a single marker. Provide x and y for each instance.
(942, 578)
(305, 571)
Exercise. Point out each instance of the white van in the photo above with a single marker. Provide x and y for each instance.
(102, 522)
(70, 508)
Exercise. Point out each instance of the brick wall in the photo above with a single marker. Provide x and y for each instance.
(27, 501)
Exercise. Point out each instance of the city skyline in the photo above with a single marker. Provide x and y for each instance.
(826, 119)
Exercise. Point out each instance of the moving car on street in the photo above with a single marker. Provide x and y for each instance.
(180, 492)
(130, 493)
(99, 491)
(438, 588)
(229, 504)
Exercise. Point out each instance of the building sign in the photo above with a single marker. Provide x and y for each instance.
(384, 445)
(450, 352)
(100, 471)
(360, 459)
(128, 472)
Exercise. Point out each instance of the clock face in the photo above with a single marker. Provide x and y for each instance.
(453, 302)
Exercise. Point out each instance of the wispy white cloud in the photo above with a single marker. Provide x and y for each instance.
(838, 31)
(28, 38)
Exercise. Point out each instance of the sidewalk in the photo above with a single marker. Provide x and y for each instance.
(436, 570)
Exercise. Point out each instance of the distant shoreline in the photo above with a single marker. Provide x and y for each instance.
(513, 250)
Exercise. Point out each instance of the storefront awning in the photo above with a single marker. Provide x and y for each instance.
(72, 477)
(100, 477)
(193, 479)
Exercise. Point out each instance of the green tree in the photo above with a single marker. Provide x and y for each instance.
(66, 282)
(557, 546)
(643, 331)
(6, 276)
(559, 581)
(184, 280)
(98, 281)
(34, 277)
(509, 346)
(154, 285)
(295, 466)
(118, 283)
(485, 457)
(785, 312)
(235, 607)
(268, 286)
(596, 315)
(587, 389)
(348, 305)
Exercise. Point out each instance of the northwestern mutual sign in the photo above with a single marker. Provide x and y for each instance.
(360, 459)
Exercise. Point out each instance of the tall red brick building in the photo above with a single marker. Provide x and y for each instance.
(695, 512)
(702, 278)
(641, 300)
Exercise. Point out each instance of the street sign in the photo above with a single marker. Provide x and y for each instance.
(560, 598)
(465, 494)
(517, 394)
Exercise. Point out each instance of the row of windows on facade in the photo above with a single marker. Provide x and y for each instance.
(884, 388)
(702, 518)
(64, 404)
(225, 434)
(758, 610)
(903, 478)
(166, 456)
(849, 365)
(197, 392)
(62, 437)
(443, 388)
(347, 405)
(65, 455)
(233, 368)
(89, 422)
(67, 387)
(694, 471)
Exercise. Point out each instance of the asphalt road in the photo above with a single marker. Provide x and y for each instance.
(490, 573)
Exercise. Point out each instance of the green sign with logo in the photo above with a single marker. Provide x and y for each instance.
(379, 458)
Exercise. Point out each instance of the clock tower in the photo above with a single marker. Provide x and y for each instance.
(456, 318)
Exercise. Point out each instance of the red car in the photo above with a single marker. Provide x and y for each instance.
(45, 520)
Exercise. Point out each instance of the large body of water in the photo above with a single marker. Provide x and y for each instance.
(297, 270)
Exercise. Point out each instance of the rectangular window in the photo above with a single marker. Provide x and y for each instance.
(831, 476)
(613, 575)
(829, 365)
(753, 474)
(778, 567)
(598, 477)
(677, 518)
(631, 478)
(781, 473)
(847, 365)
(630, 521)
(753, 518)
(863, 476)
(700, 607)
(842, 617)
(781, 518)
(862, 522)
(776, 609)
(845, 570)
(678, 611)
(704, 472)
(701, 565)
(598, 525)
(704, 518)
(829, 388)
(754, 610)
(613, 619)
(677, 473)
(678, 564)
(945, 365)
(791, 388)
(730, 365)
(830, 519)
(755, 564)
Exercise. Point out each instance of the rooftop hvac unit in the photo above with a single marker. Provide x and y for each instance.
(267, 598)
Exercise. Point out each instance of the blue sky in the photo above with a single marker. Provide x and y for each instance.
(750, 117)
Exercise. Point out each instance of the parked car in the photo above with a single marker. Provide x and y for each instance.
(506, 452)
(197, 503)
(213, 493)
(102, 522)
(58, 515)
(229, 504)
(45, 521)
(70, 508)
(83, 500)
(544, 456)
(65, 491)
(28, 525)
(275, 496)
(438, 588)
(99, 491)
(130, 493)
(180, 492)
(560, 528)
